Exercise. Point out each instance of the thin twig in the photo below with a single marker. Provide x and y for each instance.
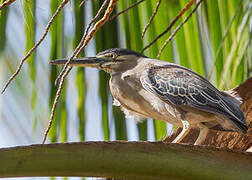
(82, 3)
(98, 25)
(170, 26)
(6, 3)
(77, 50)
(123, 11)
(56, 100)
(178, 27)
(151, 19)
(64, 2)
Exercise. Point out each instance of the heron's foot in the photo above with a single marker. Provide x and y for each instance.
(202, 135)
(249, 149)
(184, 132)
(181, 136)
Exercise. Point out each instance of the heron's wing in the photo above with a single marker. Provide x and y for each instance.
(181, 86)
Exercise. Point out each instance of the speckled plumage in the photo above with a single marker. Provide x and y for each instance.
(183, 87)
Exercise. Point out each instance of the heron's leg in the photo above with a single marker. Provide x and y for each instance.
(184, 132)
(202, 135)
(249, 149)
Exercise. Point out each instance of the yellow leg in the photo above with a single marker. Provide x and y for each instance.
(249, 149)
(202, 135)
(184, 132)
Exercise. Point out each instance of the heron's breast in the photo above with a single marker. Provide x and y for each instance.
(136, 99)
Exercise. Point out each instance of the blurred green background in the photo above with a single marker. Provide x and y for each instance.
(215, 42)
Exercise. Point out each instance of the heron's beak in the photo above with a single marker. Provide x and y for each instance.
(94, 62)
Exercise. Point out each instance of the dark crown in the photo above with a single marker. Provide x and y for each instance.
(120, 51)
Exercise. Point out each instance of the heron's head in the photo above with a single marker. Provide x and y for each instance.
(111, 60)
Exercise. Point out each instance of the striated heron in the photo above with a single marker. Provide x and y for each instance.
(146, 87)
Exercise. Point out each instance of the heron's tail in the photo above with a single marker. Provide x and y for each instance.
(241, 124)
(233, 99)
(232, 102)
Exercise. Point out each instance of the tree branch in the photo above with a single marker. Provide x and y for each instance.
(84, 41)
(125, 10)
(130, 160)
(6, 3)
(64, 2)
(151, 19)
(177, 28)
(187, 6)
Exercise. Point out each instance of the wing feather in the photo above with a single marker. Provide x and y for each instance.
(181, 86)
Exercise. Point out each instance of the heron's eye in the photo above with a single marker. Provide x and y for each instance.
(112, 55)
